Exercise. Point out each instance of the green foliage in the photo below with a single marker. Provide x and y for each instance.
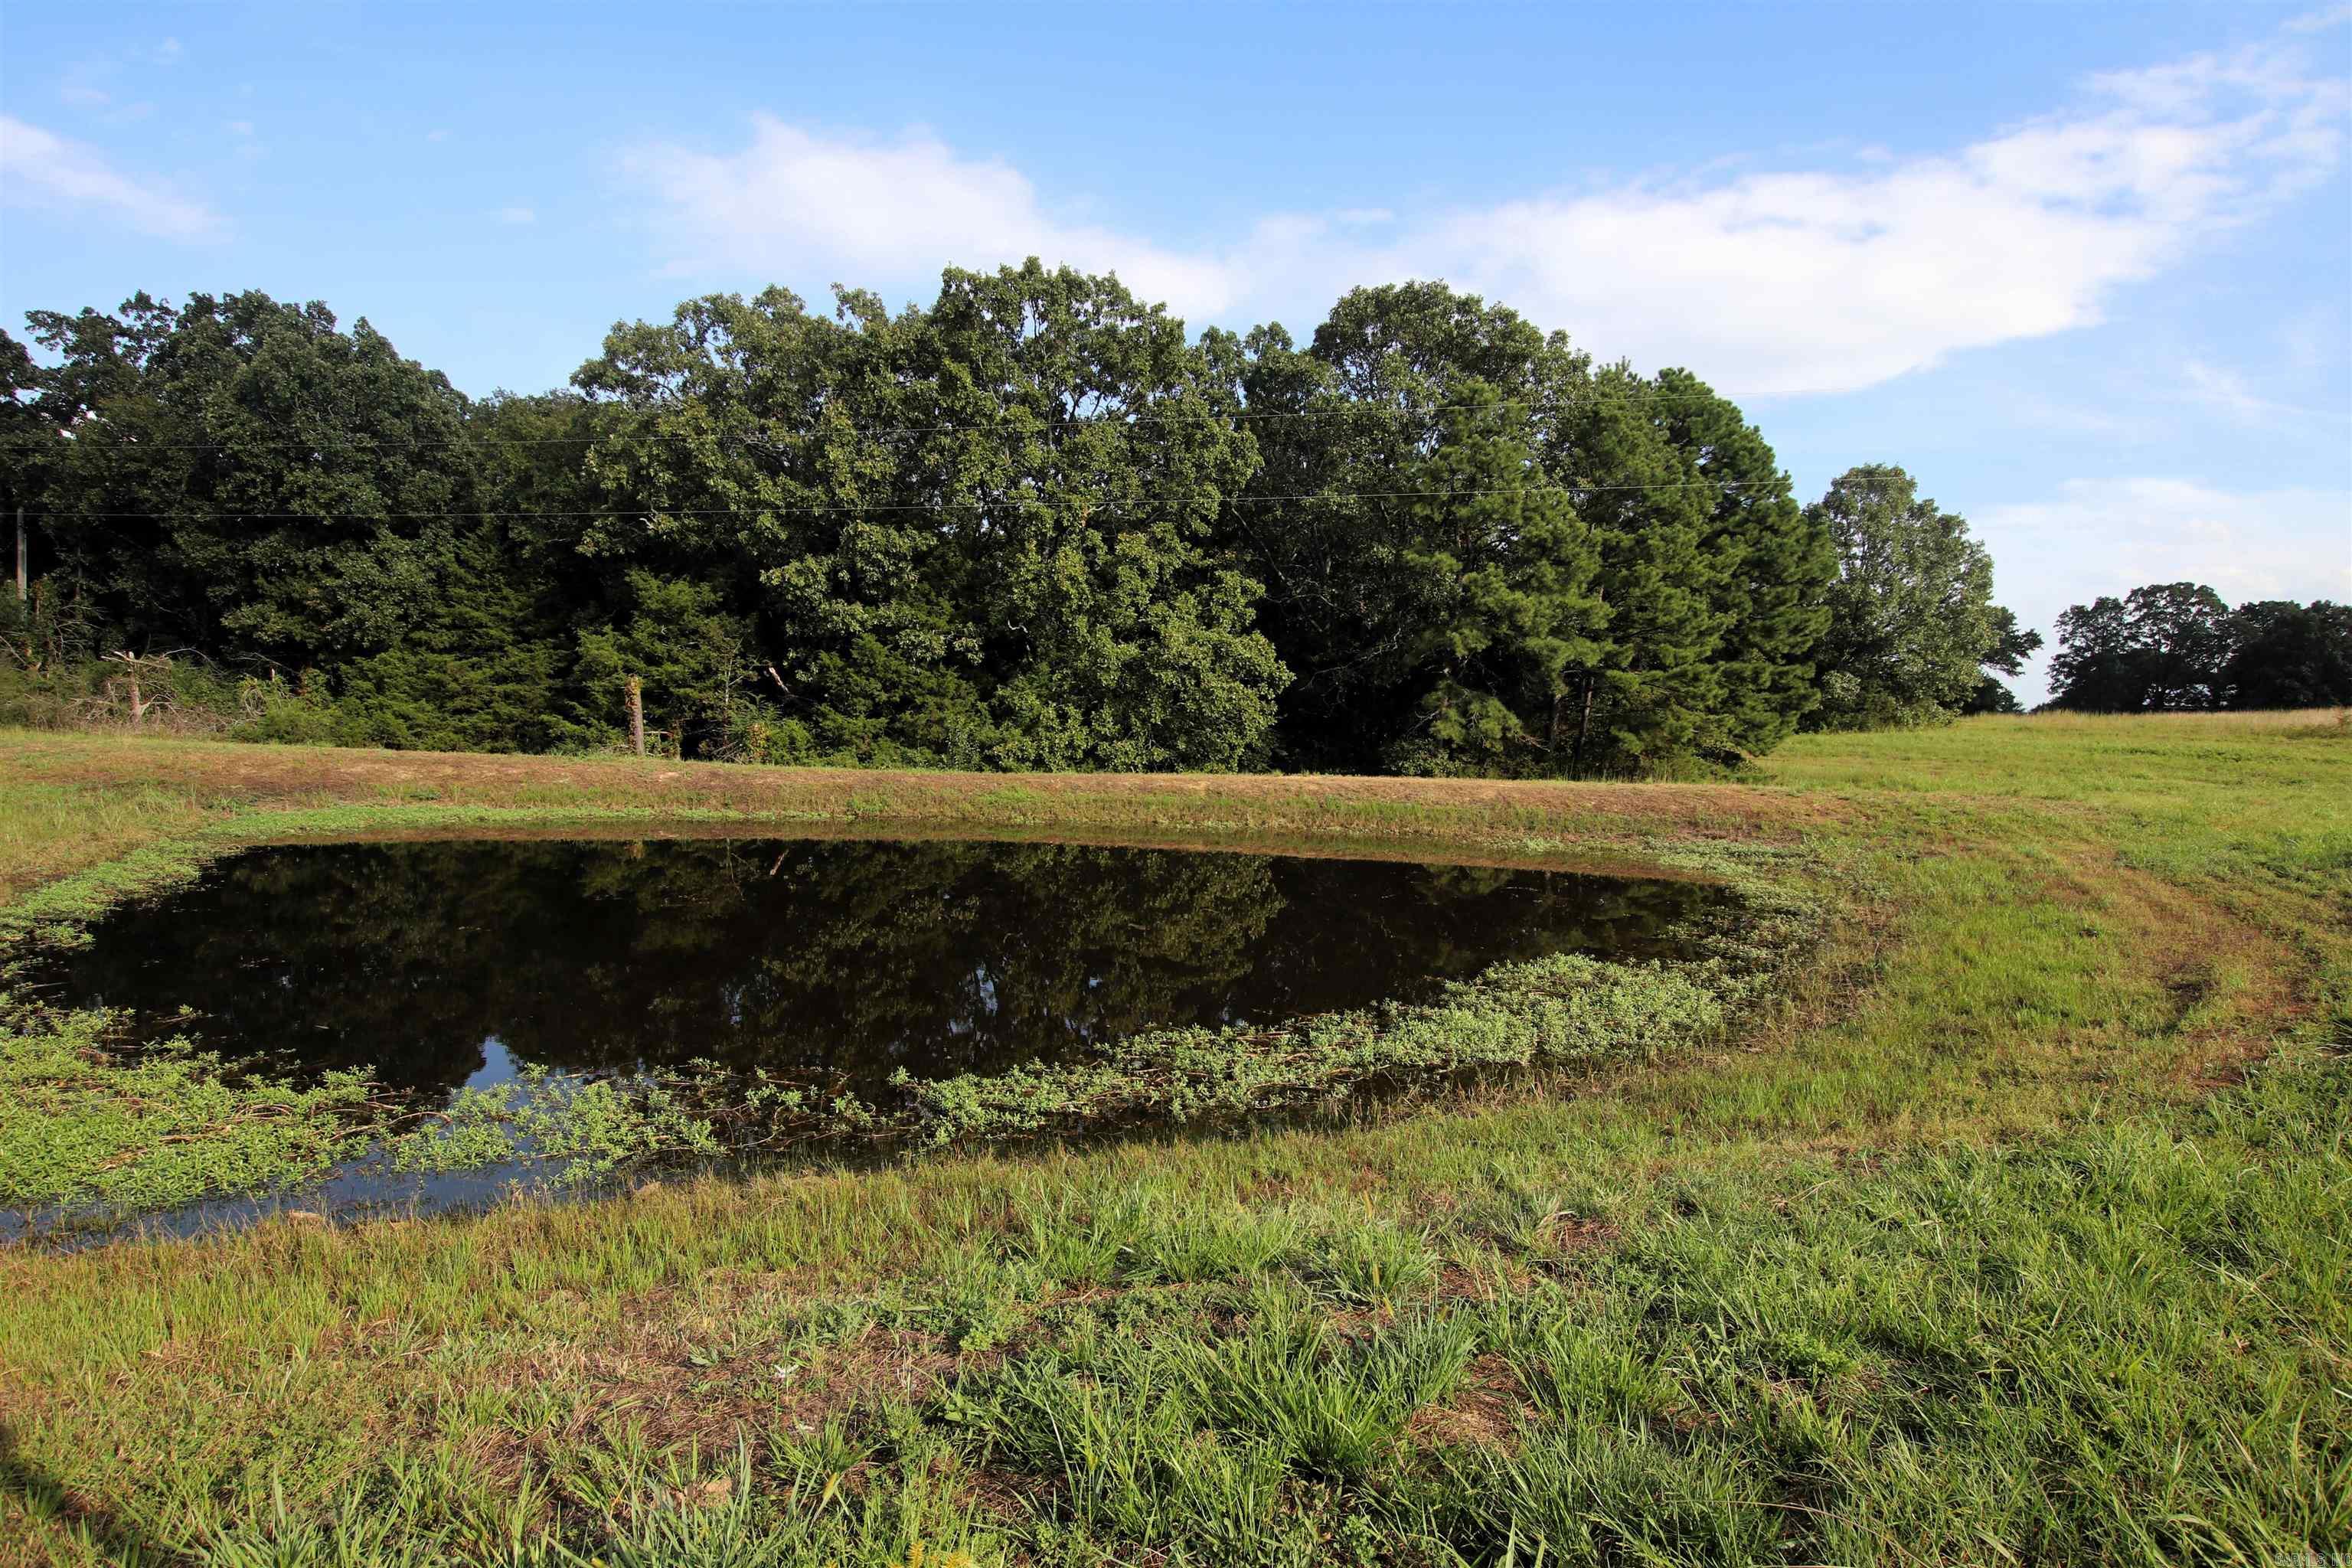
(1638, 587)
(245, 479)
(85, 1128)
(470, 675)
(1563, 1009)
(2160, 647)
(1030, 525)
(1360, 501)
(2286, 654)
(1991, 696)
(690, 654)
(991, 550)
(1661, 695)
(2179, 646)
(2012, 646)
(1501, 609)
(1774, 562)
(1911, 613)
(587, 1129)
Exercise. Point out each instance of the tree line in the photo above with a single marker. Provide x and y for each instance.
(1033, 524)
(2179, 646)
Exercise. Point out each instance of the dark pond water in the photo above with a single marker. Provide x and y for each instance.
(434, 964)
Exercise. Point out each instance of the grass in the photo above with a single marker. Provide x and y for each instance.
(2014, 1232)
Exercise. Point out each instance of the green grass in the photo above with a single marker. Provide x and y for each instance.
(2014, 1232)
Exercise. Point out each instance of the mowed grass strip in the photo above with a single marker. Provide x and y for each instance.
(2019, 1234)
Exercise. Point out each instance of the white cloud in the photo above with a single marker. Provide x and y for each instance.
(240, 127)
(794, 200)
(2228, 391)
(517, 216)
(1779, 281)
(38, 168)
(2110, 536)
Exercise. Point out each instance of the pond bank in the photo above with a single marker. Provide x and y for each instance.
(2017, 1234)
(182, 1126)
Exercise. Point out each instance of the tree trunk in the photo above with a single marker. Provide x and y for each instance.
(633, 689)
(20, 555)
(1584, 725)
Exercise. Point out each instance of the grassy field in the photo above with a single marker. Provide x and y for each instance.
(2017, 1231)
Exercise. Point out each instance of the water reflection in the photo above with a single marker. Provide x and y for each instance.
(435, 962)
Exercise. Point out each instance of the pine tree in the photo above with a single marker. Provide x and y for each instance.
(1500, 573)
(1773, 563)
(1657, 692)
(1334, 516)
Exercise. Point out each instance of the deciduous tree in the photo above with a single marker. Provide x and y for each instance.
(2162, 646)
(1911, 613)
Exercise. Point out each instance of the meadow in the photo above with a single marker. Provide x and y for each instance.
(2011, 1227)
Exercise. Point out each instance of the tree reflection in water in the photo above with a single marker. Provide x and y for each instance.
(855, 957)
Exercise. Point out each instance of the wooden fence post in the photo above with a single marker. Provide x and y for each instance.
(634, 690)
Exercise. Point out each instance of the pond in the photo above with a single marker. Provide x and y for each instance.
(439, 963)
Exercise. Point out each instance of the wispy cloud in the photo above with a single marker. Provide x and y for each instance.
(2228, 391)
(794, 199)
(2111, 535)
(1769, 282)
(517, 216)
(39, 168)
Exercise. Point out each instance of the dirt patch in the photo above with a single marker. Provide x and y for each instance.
(1455, 1283)
(1486, 1408)
(234, 774)
(661, 1391)
(1566, 1233)
(897, 1363)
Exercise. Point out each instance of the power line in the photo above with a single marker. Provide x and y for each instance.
(809, 510)
(1358, 410)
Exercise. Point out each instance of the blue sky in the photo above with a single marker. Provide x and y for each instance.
(2085, 270)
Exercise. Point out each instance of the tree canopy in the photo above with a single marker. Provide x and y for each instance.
(2172, 646)
(1912, 626)
(1032, 523)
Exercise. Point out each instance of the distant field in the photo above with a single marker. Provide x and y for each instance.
(2016, 1231)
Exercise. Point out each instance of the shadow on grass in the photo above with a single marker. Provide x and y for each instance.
(45, 1500)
